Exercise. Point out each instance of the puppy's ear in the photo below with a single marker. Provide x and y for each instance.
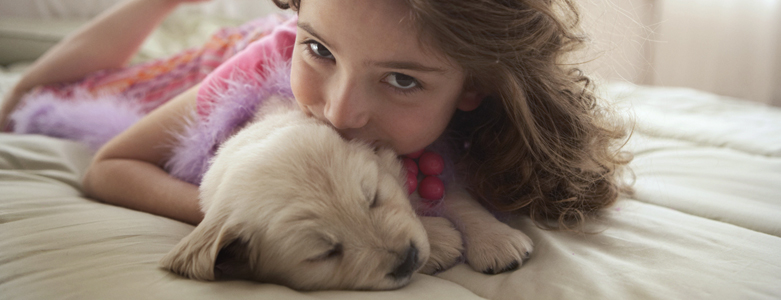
(233, 261)
(195, 255)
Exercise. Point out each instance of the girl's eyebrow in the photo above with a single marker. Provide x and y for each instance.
(308, 28)
(403, 65)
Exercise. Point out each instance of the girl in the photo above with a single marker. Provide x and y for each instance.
(489, 77)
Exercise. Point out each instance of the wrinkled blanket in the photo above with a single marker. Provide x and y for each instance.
(705, 223)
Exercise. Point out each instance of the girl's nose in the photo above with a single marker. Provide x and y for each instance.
(347, 107)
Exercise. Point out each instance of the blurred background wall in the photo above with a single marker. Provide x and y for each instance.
(727, 47)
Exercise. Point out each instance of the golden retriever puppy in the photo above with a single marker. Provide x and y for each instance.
(288, 201)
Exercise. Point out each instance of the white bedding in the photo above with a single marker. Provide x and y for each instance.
(705, 222)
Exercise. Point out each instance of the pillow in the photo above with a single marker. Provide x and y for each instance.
(24, 39)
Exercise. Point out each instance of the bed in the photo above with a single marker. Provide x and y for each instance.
(704, 223)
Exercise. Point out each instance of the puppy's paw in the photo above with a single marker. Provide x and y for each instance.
(446, 244)
(496, 248)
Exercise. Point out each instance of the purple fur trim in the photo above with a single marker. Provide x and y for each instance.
(83, 117)
(235, 106)
(95, 120)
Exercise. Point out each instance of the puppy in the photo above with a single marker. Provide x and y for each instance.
(288, 201)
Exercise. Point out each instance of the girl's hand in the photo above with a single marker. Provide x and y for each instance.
(10, 102)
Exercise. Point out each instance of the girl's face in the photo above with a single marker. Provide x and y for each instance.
(358, 65)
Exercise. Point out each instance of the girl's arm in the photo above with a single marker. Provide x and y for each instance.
(106, 42)
(128, 170)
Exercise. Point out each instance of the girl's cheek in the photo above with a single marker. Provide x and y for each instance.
(301, 85)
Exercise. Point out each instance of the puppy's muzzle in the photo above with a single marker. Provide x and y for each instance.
(409, 264)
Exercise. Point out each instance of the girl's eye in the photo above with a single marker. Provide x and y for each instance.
(402, 81)
(319, 50)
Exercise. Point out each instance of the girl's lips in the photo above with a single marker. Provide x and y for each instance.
(308, 112)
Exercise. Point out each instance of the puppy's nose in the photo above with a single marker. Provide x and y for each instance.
(408, 265)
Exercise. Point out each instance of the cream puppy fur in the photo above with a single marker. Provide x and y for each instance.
(489, 245)
(288, 201)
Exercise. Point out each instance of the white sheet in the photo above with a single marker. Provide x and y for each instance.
(700, 117)
(704, 224)
(713, 157)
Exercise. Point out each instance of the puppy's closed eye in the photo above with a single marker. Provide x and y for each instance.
(334, 252)
(374, 201)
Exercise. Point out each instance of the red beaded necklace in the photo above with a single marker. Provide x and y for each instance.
(430, 164)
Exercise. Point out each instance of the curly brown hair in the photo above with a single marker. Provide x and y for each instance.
(540, 143)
